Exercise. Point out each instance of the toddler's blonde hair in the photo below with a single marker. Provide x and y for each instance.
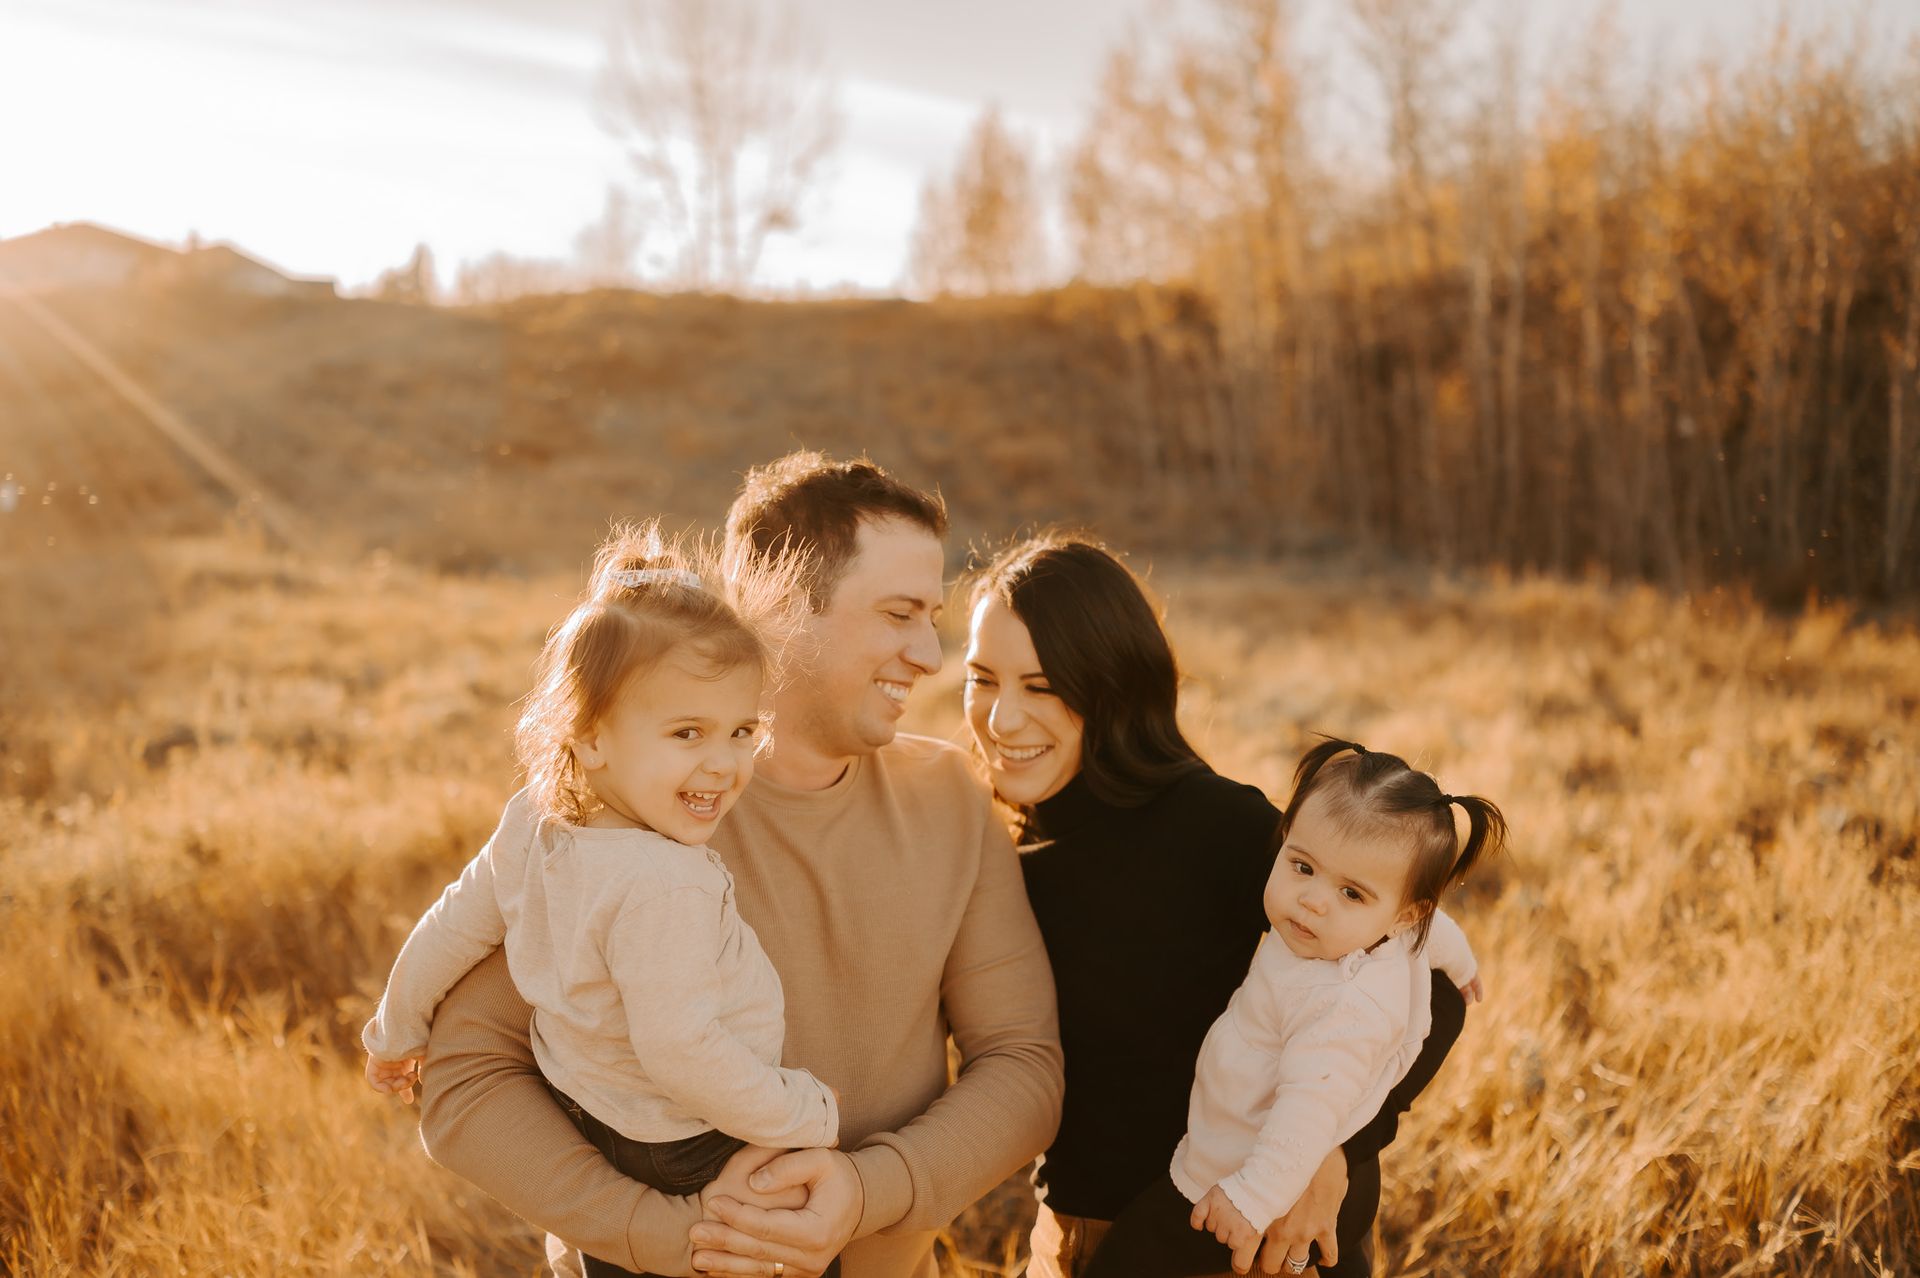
(642, 603)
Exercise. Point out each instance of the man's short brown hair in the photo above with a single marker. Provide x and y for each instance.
(806, 502)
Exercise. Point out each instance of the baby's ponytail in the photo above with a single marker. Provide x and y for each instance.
(1486, 833)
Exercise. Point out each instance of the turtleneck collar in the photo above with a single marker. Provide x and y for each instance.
(1073, 806)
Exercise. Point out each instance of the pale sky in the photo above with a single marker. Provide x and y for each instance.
(330, 136)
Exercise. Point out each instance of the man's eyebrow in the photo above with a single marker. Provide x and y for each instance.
(914, 603)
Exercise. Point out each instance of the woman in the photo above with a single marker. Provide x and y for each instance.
(1146, 870)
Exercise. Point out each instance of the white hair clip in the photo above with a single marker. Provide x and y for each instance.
(634, 578)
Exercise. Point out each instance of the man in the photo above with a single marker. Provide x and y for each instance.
(888, 895)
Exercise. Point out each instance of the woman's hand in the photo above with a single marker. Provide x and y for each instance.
(388, 1077)
(1313, 1219)
(1216, 1214)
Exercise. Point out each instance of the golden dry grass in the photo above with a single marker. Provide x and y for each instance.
(230, 779)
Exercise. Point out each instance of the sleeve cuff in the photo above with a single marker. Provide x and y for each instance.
(377, 1046)
(830, 1129)
(1259, 1214)
(886, 1188)
(1460, 968)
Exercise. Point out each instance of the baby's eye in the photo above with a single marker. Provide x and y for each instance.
(745, 730)
(1301, 867)
(1350, 894)
(687, 734)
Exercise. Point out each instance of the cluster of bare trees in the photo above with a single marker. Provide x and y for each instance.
(728, 119)
(1671, 331)
(981, 229)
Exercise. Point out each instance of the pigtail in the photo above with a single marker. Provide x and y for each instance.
(1303, 781)
(1486, 833)
(635, 558)
(1314, 760)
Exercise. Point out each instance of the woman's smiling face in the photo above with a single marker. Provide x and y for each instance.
(1027, 734)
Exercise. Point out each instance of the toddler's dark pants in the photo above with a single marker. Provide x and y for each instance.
(1152, 1238)
(670, 1166)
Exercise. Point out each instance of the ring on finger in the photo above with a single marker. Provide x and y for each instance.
(779, 1268)
(1298, 1266)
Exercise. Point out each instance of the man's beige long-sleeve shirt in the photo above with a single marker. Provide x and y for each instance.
(892, 906)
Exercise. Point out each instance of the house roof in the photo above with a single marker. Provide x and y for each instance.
(30, 254)
(80, 235)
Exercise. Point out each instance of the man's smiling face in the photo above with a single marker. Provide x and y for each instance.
(871, 644)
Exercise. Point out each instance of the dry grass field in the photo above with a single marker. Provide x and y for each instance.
(1673, 332)
(230, 777)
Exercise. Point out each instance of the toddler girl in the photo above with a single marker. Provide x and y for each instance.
(1330, 1017)
(658, 1020)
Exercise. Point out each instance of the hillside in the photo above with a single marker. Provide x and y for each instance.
(508, 435)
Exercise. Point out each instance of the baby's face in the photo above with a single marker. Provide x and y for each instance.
(1334, 891)
(677, 748)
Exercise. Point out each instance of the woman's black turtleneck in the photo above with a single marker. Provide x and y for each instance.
(1151, 915)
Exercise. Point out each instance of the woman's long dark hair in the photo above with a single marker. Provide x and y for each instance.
(1104, 654)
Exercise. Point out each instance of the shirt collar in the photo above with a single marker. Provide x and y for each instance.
(1070, 808)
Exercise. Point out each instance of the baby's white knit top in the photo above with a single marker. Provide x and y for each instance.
(654, 1005)
(1302, 1059)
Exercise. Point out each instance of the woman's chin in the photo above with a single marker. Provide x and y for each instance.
(1024, 789)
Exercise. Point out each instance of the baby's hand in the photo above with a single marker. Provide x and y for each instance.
(388, 1077)
(1473, 991)
(1217, 1215)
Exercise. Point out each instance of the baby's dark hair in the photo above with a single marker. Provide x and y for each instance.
(1377, 793)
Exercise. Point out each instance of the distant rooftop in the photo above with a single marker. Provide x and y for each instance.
(86, 254)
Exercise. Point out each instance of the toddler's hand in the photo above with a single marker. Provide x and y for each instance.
(1216, 1214)
(1473, 991)
(389, 1077)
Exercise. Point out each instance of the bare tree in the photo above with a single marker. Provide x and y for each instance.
(728, 119)
(415, 282)
(980, 230)
(501, 277)
(1194, 136)
(606, 247)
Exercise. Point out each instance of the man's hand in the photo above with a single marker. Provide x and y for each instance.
(741, 1237)
(1313, 1219)
(1216, 1214)
(734, 1181)
(390, 1077)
